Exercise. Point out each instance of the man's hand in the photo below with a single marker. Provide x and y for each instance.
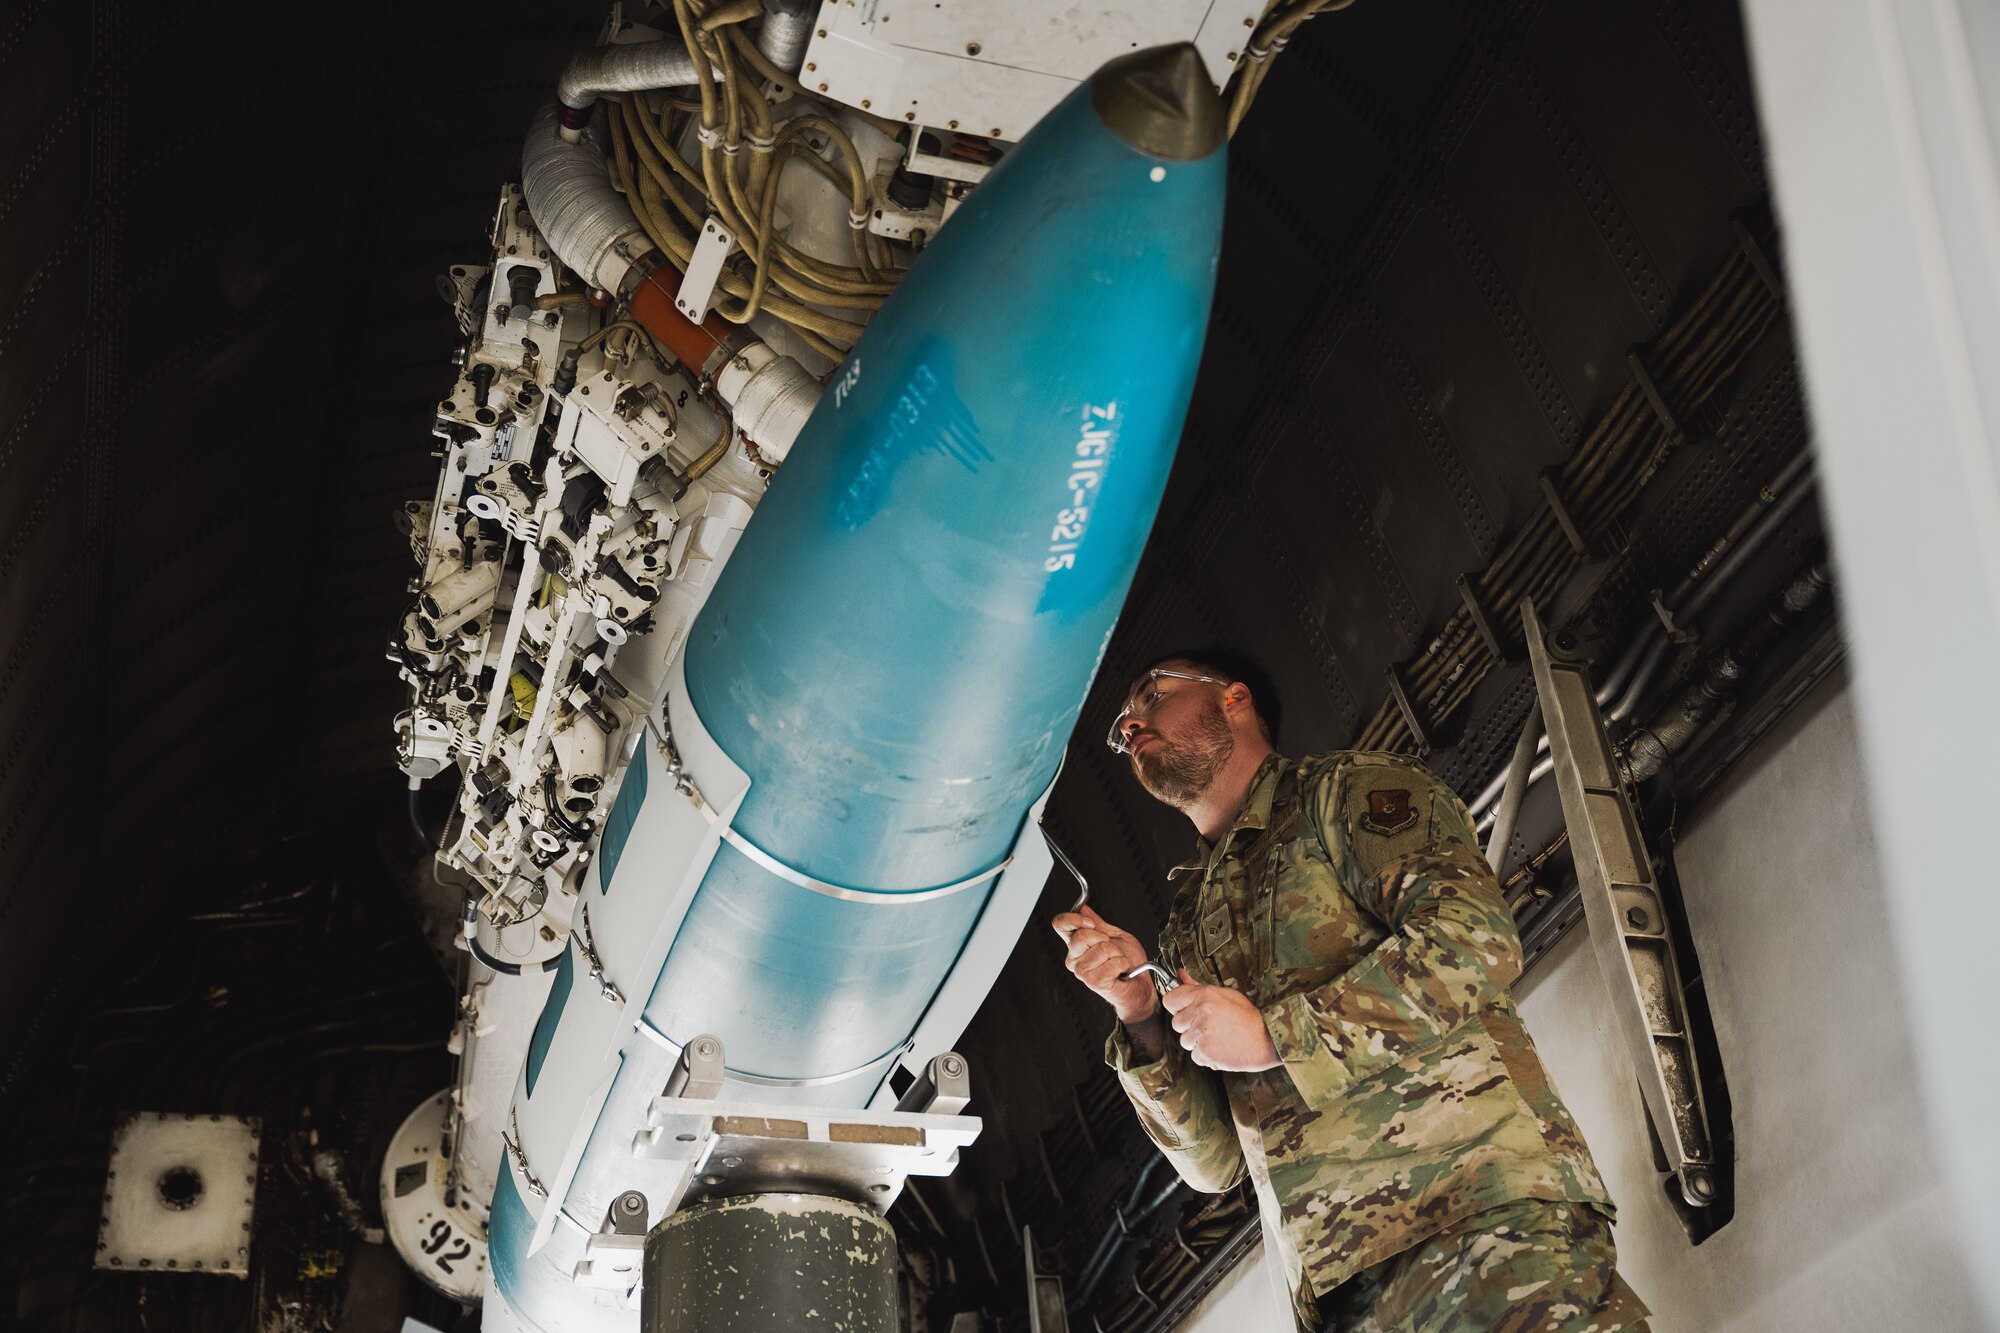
(1220, 1028)
(1099, 953)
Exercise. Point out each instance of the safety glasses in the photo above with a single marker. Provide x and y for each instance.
(1144, 698)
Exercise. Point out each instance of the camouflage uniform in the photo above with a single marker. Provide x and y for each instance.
(1524, 1267)
(1349, 901)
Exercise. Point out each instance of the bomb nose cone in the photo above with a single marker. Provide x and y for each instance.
(1161, 102)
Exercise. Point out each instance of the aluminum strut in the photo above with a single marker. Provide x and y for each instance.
(1622, 907)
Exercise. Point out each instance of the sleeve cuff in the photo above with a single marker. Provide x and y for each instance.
(1153, 1080)
(1302, 1050)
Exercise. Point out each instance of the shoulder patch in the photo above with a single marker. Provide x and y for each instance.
(1389, 811)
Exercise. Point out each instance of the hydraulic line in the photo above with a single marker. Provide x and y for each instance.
(469, 923)
(1120, 1231)
(592, 229)
(1622, 689)
(1228, 1249)
(1601, 480)
(652, 302)
(1279, 23)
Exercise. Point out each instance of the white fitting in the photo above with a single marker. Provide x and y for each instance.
(460, 595)
(771, 397)
(579, 752)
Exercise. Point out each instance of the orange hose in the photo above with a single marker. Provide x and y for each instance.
(653, 307)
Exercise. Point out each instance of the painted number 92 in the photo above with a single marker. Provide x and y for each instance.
(442, 1235)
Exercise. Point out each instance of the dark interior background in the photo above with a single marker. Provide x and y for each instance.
(220, 226)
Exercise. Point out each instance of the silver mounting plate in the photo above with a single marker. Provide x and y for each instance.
(736, 1148)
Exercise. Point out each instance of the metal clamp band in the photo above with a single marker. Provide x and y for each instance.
(805, 881)
(677, 773)
(646, 1028)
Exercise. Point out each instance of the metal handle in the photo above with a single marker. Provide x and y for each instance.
(1082, 884)
(1168, 981)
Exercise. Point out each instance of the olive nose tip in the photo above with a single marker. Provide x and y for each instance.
(1161, 102)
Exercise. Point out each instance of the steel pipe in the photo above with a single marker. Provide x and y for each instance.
(1620, 692)
(1516, 789)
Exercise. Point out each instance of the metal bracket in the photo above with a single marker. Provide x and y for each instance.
(1572, 532)
(938, 164)
(1622, 906)
(613, 1255)
(735, 1148)
(1048, 1312)
(697, 1077)
(704, 270)
(1678, 633)
(945, 1087)
(698, 1074)
(1481, 622)
(1408, 708)
(1636, 360)
(1767, 272)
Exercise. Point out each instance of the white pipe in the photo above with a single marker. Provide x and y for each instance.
(568, 189)
(460, 596)
(632, 68)
(785, 32)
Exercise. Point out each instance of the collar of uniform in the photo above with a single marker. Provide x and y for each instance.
(1255, 814)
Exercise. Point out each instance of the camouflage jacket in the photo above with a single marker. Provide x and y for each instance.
(1350, 902)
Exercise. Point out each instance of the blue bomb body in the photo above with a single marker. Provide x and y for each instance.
(898, 651)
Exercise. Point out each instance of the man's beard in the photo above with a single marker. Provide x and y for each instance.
(1178, 772)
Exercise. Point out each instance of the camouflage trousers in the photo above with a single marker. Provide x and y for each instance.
(1526, 1267)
